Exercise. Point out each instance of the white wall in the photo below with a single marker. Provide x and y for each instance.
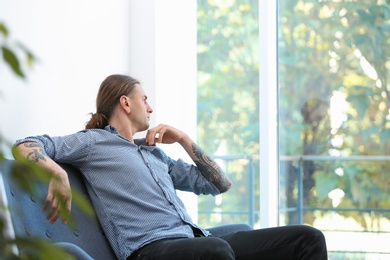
(162, 54)
(78, 43)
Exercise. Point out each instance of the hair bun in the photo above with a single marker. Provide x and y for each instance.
(98, 120)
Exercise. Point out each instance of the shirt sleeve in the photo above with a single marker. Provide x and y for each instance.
(187, 177)
(63, 149)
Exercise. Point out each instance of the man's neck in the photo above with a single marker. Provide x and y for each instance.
(124, 130)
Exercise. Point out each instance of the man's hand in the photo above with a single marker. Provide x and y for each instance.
(59, 199)
(164, 134)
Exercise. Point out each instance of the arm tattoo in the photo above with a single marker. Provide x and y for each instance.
(210, 169)
(36, 154)
(32, 144)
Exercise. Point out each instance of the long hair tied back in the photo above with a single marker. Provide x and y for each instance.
(98, 120)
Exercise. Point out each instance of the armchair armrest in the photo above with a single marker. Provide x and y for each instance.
(225, 229)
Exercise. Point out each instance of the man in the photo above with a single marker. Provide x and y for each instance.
(132, 186)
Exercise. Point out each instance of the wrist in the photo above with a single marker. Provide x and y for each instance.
(185, 140)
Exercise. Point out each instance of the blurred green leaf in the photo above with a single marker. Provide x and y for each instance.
(27, 175)
(30, 56)
(3, 30)
(30, 59)
(37, 248)
(10, 58)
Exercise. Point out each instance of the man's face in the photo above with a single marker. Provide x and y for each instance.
(140, 109)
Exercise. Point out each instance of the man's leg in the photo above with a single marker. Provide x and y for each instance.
(288, 242)
(205, 248)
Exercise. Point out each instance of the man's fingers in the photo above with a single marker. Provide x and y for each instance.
(57, 207)
(151, 136)
(68, 208)
(52, 216)
(148, 139)
(55, 217)
(49, 199)
(159, 136)
(58, 199)
(158, 133)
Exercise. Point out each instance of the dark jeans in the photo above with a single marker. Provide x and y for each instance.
(289, 242)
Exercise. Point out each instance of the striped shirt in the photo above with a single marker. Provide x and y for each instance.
(132, 186)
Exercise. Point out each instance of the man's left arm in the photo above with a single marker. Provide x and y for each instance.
(207, 166)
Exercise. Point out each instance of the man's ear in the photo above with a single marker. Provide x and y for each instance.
(124, 101)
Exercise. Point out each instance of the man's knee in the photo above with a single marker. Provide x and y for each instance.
(218, 248)
(314, 233)
(314, 237)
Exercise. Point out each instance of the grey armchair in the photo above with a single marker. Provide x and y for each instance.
(85, 239)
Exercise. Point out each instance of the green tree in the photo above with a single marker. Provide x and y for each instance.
(228, 79)
(326, 48)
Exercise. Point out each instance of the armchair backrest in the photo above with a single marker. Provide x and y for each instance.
(29, 220)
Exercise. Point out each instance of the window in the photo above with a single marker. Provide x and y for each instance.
(333, 115)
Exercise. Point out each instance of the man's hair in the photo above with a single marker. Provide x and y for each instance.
(111, 89)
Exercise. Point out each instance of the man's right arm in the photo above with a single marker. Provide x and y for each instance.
(59, 197)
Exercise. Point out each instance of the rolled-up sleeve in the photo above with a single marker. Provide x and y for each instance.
(65, 149)
(187, 177)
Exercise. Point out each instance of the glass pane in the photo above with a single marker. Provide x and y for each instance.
(334, 121)
(228, 116)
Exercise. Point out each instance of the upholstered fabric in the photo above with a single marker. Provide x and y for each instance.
(83, 236)
(29, 220)
(225, 229)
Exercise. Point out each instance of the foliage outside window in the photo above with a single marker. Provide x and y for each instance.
(334, 101)
(228, 108)
(334, 108)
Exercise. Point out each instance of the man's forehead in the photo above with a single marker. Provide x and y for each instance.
(139, 90)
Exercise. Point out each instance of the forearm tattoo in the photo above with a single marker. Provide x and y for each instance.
(210, 169)
(36, 154)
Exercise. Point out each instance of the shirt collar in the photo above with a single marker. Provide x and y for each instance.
(139, 141)
(111, 129)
